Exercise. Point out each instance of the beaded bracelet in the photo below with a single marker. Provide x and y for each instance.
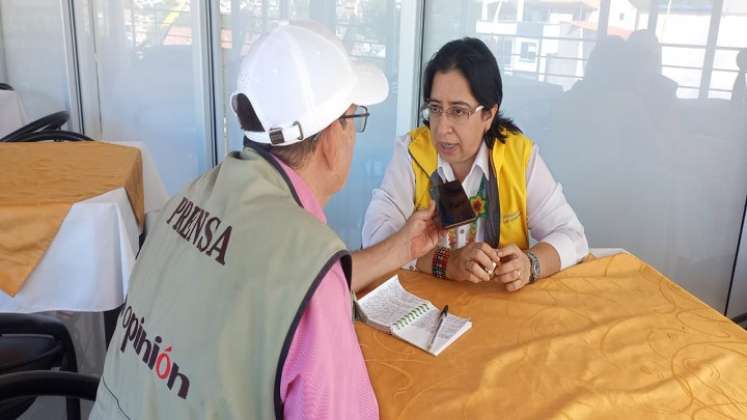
(440, 259)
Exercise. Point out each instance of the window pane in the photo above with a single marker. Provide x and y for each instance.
(723, 80)
(33, 55)
(369, 30)
(731, 31)
(683, 77)
(725, 59)
(150, 85)
(684, 21)
(687, 93)
(679, 56)
(541, 40)
(646, 164)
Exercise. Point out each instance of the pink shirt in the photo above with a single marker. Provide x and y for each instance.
(324, 376)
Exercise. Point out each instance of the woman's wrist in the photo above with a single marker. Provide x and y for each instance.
(440, 262)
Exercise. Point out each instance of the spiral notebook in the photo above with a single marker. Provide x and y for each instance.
(394, 310)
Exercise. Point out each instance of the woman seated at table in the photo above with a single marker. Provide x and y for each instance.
(465, 137)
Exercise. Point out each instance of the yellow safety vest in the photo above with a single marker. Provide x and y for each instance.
(509, 161)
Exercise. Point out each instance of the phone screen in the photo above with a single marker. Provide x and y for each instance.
(452, 205)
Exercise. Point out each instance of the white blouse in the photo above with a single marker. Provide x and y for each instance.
(550, 218)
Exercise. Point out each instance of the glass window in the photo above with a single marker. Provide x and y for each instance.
(529, 51)
(150, 85)
(32, 55)
(369, 30)
(647, 164)
(732, 25)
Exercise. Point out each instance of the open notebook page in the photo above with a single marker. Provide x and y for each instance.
(388, 303)
(419, 332)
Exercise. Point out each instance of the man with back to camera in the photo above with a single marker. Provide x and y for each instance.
(240, 305)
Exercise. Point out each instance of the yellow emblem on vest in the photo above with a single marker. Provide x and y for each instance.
(510, 217)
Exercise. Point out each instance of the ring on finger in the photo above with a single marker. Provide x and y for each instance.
(491, 270)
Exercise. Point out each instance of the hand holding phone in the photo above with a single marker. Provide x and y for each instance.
(452, 204)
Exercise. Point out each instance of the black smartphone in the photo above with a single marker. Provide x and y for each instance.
(452, 205)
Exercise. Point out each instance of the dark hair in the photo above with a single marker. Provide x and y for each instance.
(294, 155)
(472, 58)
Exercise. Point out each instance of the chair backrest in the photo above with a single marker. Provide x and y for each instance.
(740, 320)
(53, 121)
(25, 387)
(35, 327)
(55, 135)
(38, 383)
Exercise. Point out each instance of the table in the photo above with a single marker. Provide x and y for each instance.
(85, 272)
(87, 266)
(609, 338)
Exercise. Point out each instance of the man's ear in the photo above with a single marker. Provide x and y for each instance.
(328, 147)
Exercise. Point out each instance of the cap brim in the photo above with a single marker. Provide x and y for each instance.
(371, 87)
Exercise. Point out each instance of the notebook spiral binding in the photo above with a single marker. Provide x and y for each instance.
(411, 316)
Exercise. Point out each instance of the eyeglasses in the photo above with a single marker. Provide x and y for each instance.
(457, 114)
(360, 117)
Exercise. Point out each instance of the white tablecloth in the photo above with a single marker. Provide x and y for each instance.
(87, 267)
(11, 112)
(86, 270)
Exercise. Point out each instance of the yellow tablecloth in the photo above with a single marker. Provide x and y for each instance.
(39, 183)
(610, 338)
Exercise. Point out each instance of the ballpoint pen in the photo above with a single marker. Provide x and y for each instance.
(441, 318)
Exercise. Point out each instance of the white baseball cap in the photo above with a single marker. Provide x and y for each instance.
(299, 79)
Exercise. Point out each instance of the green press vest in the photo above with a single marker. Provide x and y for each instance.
(216, 297)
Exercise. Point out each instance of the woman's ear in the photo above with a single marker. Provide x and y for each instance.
(489, 116)
(492, 112)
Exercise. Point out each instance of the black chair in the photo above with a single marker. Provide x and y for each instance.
(5, 86)
(54, 135)
(49, 122)
(30, 343)
(740, 320)
(39, 383)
